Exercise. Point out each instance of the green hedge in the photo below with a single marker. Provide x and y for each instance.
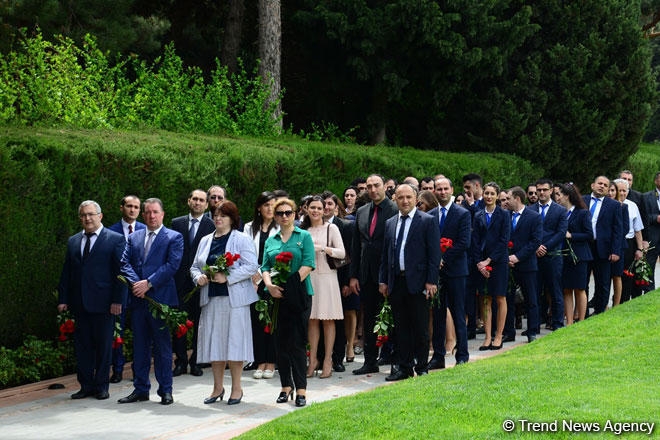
(46, 173)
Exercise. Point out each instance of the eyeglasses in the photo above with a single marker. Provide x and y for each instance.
(217, 198)
(531, 193)
(283, 213)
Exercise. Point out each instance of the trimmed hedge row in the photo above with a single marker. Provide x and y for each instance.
(46, 173)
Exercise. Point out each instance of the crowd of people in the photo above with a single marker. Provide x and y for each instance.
(309, 280)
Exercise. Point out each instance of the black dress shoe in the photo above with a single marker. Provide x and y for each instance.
(195, 371)
(524, 333)
(115, 378)
(366, 369)
(166, 399)
(235, 401)
(399, 375)
(437, 364)
(179, 370)
(531, 338)
(338, 367)
(102, 395)
(134, 397)
(301, 400)
(461, 362)
(250, 366)
(509, 339)
(82, 394)
(213, 399)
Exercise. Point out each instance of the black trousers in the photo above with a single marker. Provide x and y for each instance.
(291, 343)
(411, 320)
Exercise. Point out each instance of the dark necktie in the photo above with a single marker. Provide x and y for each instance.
(88, 244)
(191, 231)
(130, 229)
(593, 206)
(374, 220)
(150, 240)
(399, 238)
(443, 215)
(514, 220)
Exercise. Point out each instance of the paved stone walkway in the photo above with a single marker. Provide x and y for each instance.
(34, 412)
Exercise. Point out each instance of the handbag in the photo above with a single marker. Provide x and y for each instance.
(335, 263)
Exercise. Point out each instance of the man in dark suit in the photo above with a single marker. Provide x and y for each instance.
(473, 190)
(150, 260)
(526, 235)
(607, 224)
(193, 227)
(90, 289)
(366, 251)
(130, 210)
(550, 261)
(408, 277)
(456, 226)
(651, 233)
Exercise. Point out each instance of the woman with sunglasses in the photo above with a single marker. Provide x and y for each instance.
(295, 299)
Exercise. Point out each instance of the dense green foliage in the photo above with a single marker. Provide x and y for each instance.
(35, 360)
(60, 84)
(564, 84)
(595, 371)
(46, 173)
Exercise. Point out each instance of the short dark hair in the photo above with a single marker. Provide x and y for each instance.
(473, 177)
(130, 196)
(518, 192)
(229, 209)
(544, 181)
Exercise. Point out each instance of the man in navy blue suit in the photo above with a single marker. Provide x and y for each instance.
(130, 210)
(607, 224)
(526, 235)
(408, 276)
(90, 289)
(193, 227)
(473, 191)
(550, 261)
(151, 258)
(456, 226)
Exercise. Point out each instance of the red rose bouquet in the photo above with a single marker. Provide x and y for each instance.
(66, 324)
(384, 323)
(222, 264)
(268, 308)
(640, 270)
(176, 320)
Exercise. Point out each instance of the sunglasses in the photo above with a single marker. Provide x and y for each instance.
(283, 213)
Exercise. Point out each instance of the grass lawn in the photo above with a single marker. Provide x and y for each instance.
(599, 370)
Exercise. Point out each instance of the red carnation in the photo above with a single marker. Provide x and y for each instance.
(510, 245)
(445, 243)
(267, 329)
(489, 268)
(189, 323)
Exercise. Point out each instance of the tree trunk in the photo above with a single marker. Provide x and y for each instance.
(270, 36)
(233, 32)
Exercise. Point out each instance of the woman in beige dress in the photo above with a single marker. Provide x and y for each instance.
(326, 302)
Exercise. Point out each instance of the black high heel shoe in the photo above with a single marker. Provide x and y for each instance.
(300, 400)
(235, 401)
(496, 347)
(486, 347)
(214, 399)
(284, 396)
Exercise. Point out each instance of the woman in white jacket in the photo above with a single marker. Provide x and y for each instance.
(225, 333)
